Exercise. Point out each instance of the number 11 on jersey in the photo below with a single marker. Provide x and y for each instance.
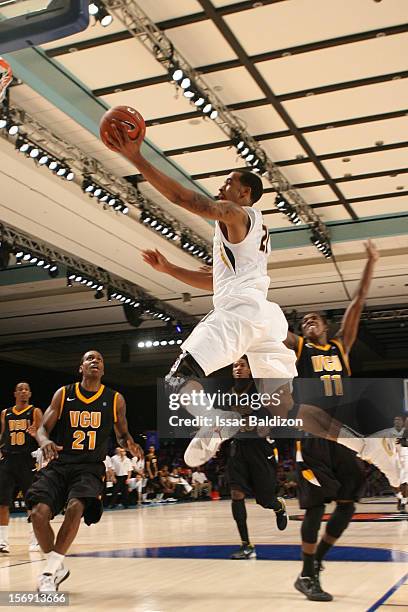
(333, 385)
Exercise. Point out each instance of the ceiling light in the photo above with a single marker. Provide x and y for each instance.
(93, 9)
(177, 74)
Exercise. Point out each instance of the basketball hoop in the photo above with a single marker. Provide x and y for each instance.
(6, 76)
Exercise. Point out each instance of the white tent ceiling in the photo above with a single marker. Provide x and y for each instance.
(321, 85)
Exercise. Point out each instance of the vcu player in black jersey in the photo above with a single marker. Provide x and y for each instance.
(17, 441)
(80, 418)
(327, 471)
(251, 469)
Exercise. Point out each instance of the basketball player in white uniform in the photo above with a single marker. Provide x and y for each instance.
(243, 321)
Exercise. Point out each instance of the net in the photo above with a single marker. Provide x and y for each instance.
(6, 76)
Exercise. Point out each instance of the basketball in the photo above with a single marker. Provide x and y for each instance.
(126, 115)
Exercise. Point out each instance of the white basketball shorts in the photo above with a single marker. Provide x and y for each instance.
(255, 329)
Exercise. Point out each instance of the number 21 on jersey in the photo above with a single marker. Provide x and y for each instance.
(79, 437)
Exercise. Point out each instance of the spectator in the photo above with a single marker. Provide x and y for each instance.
(138, 466)
(110, 481)
(152, 473)
(200, 483)
(122, 467)
(151, 464)
(168, 485)
(182, 487)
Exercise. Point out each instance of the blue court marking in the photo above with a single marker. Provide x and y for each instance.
(269, 552)
(388, 594)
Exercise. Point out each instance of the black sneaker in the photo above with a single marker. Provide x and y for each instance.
(310, 586)
(281, 516)
(245, 552)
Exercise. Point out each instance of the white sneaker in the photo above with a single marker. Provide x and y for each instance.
(382, 453)
(200, 450)
(60, 575)
(4, 547)
(208, 440)
(34, 547)
(46, 583)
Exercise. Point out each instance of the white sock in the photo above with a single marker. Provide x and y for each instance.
(4, 534)
(399, 495)
(403, 501)
(54, 562)
(348, 438)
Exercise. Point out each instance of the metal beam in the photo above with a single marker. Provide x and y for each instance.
(21, 241)
(228, 10)
(263, 85)
(343, 231)
(316, 91)
(156, 42)
(349, 153)
(294, 95)
(379, 196)
(282, 133)
(288, 162)
(55, 83)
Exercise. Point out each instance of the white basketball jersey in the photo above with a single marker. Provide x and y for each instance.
(242, 266)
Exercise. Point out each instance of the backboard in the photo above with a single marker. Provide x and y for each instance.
(25, 23)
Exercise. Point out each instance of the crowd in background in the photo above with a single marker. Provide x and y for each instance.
(163, 477)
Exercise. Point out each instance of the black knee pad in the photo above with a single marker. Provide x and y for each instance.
(311, 524)
(184, 368)
(340, 519)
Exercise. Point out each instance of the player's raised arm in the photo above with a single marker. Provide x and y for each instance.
(351, 319)
(201, 279)
(292, 341)
(49, 420)
(123, 436)
(225, 211)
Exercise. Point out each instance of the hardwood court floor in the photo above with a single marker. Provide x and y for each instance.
(134, 571)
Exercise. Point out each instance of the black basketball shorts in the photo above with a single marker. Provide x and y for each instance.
(16, 473)
(58, 483)
(328, 472)
(251, 468)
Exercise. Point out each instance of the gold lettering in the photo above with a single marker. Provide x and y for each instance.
(74, 417)
(317, 362)
(95, 419)
(328, 363)
(85, 419)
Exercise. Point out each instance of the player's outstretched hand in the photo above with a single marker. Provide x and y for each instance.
(156, 260)
(135, 449)
(50, 450)
(371, 250)
(119, 140)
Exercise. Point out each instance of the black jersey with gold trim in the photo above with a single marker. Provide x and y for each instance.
(85, 423)
(321, 370)
(16, 439)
